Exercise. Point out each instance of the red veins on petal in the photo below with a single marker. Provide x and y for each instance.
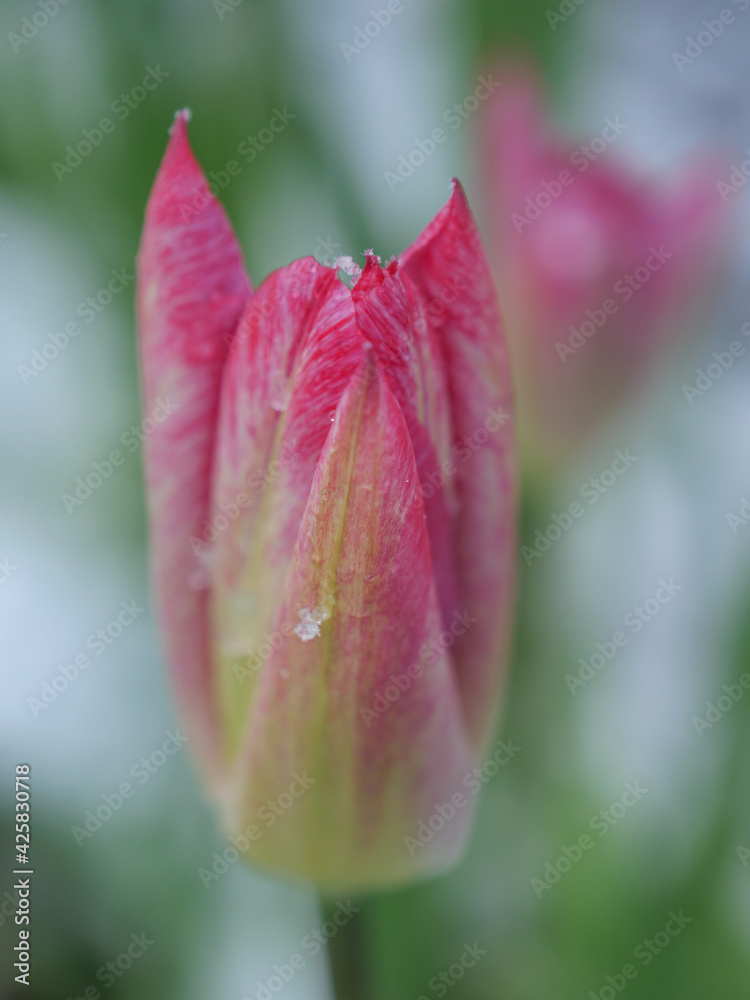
(363, 562)
(447, 264)
(191, 291)
(331, 493)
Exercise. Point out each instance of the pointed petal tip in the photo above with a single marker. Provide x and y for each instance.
(179, 141)
(179, 164)
(455, 214)
(458, 201)
(372, 262)
(180, 121)
(372, 275)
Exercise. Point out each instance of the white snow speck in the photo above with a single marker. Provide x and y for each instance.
(308, 626)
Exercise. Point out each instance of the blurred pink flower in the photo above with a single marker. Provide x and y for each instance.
(599, 269)
(332, 510)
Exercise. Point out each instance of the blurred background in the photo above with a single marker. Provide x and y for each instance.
(613, 744)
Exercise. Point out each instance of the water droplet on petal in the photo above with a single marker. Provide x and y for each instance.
(306, 631)
(309, 623)
(349, 266)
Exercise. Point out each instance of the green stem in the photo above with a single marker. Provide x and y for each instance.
(348, 952)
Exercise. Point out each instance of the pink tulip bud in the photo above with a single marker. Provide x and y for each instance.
(599, 269)
(332, 511)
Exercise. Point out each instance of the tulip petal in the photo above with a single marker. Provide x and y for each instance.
(298, 334)
(471, 336)
(393, 321)
(191, 291)
(360, 602)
